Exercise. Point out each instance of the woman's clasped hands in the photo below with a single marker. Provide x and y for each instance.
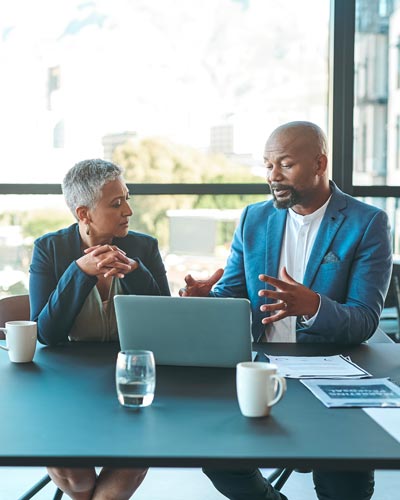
(106, 260)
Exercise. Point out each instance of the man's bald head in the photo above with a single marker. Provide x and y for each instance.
(302, 133)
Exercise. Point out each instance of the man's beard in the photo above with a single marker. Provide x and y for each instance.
(293, 199)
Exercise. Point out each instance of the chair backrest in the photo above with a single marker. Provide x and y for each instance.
(393, 294)
(13, 308)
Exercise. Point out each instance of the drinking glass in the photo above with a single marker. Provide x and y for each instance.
(135, 378)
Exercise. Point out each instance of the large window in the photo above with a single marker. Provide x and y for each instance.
(181, 93)
(201, 81)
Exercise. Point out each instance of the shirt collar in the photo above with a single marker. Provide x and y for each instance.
(307, 219)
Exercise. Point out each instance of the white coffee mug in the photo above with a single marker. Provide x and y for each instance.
(21, 339)
(258, 387)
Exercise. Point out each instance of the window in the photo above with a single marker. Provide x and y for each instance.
(194, 232)
(199, 81)
(398, 142)
(181, 93)
(377, 93)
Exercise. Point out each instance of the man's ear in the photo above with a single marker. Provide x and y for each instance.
(322, 164)
(83, 214)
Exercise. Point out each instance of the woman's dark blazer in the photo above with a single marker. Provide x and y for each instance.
(58, 287)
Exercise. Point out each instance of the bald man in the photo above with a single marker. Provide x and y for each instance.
(315, 264)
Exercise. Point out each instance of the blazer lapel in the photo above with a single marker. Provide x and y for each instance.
(275, 230)
(330, 224)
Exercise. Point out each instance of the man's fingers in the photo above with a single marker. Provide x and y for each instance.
(282, 285)
(189, 280)
(215, 277)
(200, 287)
(274, 317)
(286, 276)
(278, 296)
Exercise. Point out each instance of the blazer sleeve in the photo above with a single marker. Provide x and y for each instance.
(233, 281)
(356, 318)
(55, 301)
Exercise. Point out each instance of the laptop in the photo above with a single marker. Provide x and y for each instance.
(186, 331)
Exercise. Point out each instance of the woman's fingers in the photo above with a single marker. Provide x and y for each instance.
(111, 257)
(101, 249)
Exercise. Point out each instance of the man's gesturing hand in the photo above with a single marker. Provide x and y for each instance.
(292, 298)
(200, 288)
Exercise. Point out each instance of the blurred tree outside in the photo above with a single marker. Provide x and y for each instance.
(32, 224)
(158, 160)
(39, 222)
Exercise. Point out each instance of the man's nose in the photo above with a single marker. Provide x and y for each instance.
(275, 174)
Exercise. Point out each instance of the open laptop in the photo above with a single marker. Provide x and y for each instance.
(189, 331)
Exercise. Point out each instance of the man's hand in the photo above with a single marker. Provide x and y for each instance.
(200, 288)
(106, 260)
(292, 298)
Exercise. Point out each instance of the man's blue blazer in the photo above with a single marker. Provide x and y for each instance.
(349, 266)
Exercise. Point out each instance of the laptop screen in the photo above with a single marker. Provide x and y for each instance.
(191, 331)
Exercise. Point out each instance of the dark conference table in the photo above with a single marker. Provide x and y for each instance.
(62, 410)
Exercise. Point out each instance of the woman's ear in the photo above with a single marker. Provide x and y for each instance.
(83, 215)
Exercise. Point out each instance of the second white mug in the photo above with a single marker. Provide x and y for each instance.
(258, 388)
(21, 339)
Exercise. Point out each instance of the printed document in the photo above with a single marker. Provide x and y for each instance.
(317, 367)
(377, 392)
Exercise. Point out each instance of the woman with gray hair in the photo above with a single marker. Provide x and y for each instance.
(74, 275)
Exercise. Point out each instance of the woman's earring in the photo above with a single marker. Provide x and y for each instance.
(88, 229)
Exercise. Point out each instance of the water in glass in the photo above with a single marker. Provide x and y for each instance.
(135, 393)
(135, 378)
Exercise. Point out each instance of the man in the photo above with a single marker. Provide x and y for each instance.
(333, 257)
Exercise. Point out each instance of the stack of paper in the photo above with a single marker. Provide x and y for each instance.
(332, 367)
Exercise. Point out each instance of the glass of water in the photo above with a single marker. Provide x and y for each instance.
(135, 378)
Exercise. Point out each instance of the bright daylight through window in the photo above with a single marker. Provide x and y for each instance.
(175, 91)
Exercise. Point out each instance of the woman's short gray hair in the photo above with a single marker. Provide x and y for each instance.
(83, 183)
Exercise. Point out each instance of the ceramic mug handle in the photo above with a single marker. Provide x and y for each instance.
(281, 389)
(3, 346)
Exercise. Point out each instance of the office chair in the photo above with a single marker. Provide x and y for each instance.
(16, 308)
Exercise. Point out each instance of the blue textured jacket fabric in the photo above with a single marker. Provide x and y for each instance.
(350, 267)
(58, 287)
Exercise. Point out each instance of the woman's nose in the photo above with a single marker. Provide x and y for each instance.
(127, 209)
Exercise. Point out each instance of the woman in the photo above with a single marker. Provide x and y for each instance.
(74, 274)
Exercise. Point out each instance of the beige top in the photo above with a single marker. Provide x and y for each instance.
(96, 320)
